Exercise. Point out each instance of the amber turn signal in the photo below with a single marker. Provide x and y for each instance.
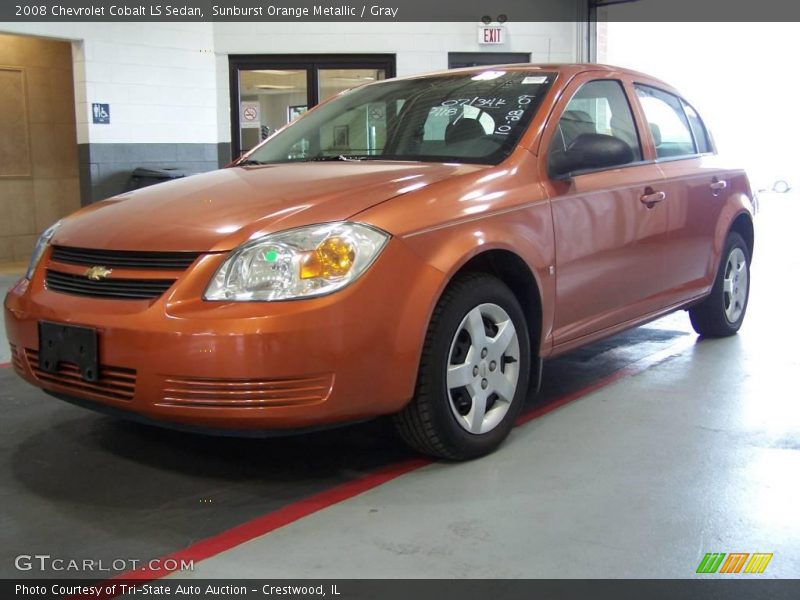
(334, 257)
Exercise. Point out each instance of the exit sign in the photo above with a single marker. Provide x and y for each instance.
(491, 34)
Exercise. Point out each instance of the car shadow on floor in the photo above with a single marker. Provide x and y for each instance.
(75, 479)
(64, 459)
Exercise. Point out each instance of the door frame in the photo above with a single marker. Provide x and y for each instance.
(627, 181)
(311, 63)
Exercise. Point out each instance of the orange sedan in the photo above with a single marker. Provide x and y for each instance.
(414, 247)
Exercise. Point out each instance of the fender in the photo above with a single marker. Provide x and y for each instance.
(447, 227)
(737, 204)
(450, 250)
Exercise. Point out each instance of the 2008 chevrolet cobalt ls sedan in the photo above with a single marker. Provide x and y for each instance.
(470, 224)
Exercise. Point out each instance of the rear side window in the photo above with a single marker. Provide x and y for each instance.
(599, 107)
(701, 137)
(672, 134)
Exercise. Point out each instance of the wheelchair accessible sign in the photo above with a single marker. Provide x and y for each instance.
(101, 114)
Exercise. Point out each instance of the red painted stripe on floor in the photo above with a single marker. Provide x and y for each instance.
(283, 516)
(262, 525)
(293, 512)
(5, 365)
(626, 371)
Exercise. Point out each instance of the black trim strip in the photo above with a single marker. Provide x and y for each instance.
(124, 258)
(129, 289)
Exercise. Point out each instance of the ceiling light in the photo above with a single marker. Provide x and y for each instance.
(488, 75)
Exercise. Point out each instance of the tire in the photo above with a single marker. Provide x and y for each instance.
(722, 312)
(457, 376)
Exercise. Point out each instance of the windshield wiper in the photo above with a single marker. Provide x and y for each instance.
(343, 157)
(249, 162)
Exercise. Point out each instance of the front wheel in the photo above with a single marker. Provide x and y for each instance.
(721, 314)
(473, 373)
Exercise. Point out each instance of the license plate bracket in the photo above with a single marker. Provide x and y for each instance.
(68, 343)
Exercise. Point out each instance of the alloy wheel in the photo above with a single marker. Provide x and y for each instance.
(483, 368)
(734, 285)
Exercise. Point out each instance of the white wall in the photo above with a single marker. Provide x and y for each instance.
(735, 74)
(159, 79)
(168, 82)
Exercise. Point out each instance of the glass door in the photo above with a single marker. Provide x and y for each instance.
(267, 92)
(269, 99)
(333, 81)
(358, 132)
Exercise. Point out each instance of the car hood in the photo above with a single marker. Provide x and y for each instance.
(219, 210)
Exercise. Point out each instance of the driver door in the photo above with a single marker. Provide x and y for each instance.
(610, 238)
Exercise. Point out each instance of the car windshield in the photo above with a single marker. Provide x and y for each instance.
(459, 117)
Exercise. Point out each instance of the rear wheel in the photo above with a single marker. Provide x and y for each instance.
(473, 374)
(721, 314)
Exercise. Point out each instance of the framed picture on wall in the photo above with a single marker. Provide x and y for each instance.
(341, 136)
(292, 112)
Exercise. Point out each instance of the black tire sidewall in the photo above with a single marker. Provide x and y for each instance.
(480, 291)
(733, 241)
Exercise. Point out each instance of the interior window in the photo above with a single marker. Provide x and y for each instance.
(699, 130)
(599, 107)
(668, 123)
(361, 130)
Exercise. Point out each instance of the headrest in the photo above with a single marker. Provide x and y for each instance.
(463, 130)
(656, 131)
(578, 115)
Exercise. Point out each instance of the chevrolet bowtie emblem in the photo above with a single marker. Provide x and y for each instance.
(97, 273)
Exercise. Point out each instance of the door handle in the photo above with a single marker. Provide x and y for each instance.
(651, 197)
(717, 185)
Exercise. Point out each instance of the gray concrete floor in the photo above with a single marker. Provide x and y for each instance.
(640, 479)
(697, 453)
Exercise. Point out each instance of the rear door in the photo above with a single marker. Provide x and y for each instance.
(610, 226)
(696, 188)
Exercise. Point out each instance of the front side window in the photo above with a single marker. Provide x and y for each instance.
(672, 135)
(476, 118)
(598, 108)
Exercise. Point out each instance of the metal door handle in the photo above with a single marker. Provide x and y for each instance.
(651, 197)
(718, 185)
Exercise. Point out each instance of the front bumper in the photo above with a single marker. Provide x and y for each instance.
(240, 366)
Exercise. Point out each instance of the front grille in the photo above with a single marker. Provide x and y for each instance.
(245, 393)
(126, 289)
(16, 360)
(113, 383)
(125, 259)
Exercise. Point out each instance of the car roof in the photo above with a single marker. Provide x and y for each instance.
(568, 70)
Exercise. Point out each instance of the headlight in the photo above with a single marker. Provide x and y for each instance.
(40, 247)
(298, 263)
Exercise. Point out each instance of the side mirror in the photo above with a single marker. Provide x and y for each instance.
(589, 151)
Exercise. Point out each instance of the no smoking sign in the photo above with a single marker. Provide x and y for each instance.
(250, 114)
